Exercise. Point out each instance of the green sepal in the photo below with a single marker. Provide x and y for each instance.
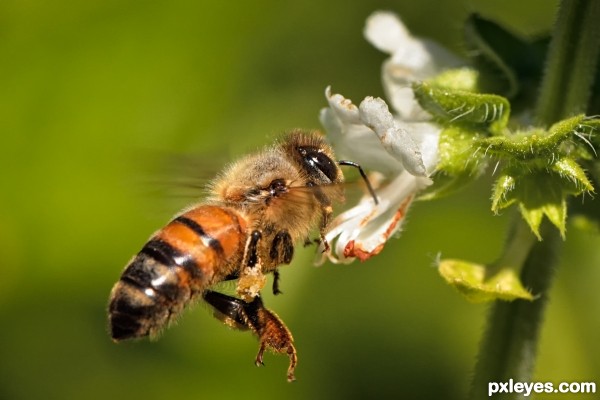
(541, 193)
(582, 134)
(459, 162)
(481, 283)
(572, 135)
(456, 152)
(457, 79)
(541, 170)
(585, 214)
(482, 111)
(501, 190)
(572, 172)
(535, 144)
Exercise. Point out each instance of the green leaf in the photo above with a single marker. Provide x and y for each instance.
(478, 284)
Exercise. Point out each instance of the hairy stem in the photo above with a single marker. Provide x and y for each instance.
(518, 244)
(572, 61)
(509, 347)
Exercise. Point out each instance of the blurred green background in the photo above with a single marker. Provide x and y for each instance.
(98, 97)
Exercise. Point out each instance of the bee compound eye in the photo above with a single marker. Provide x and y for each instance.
(315, 160)
(277, 185)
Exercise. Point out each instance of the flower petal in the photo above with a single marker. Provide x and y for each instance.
(362, 231)
(377, 116)
(352, 139)
(403, 144)
(426, 136)
(385, 31)
(412, 59)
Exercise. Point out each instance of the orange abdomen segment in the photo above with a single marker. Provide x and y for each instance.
(208, 236)
(177, 263)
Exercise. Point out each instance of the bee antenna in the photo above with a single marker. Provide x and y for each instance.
(364, 176)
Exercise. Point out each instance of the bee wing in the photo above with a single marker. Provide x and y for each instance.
(172, 175)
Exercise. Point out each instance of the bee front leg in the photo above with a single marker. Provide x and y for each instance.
(251, 257)
(270, 329)
(252, 279)
(326, 213)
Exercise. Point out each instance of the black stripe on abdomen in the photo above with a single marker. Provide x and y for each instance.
(167, 255)
(206, 238)
(149, 292)
(160, 251)
(152, 272)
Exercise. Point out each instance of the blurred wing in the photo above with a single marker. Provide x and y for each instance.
(178, 175)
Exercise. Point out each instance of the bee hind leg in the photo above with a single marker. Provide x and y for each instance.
(270, 329)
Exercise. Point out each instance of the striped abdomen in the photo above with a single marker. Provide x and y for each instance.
(177, 263)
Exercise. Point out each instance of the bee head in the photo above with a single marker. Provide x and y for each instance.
(314, 156)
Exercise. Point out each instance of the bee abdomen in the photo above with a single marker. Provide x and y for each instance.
(152, 289)
(178, 263)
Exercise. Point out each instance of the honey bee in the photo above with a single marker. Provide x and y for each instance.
(258, 209)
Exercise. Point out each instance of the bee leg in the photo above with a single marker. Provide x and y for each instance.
(251, 279)
(276, 278)
(281, 252)
(326, 213)
(251, 254)
(270, 329)
(291, 352)
(282, 248)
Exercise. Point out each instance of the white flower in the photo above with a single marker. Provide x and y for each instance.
(412, 59)
(402, 147)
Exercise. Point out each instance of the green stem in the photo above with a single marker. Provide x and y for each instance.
(509, 346)
(572, 61)
(519, 241)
